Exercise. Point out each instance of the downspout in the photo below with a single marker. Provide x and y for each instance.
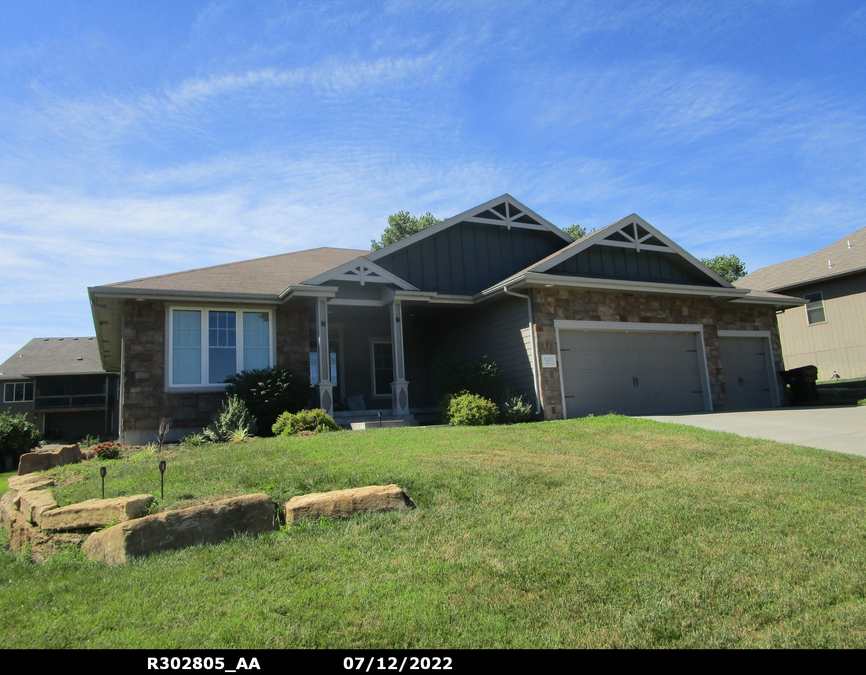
(528, 299)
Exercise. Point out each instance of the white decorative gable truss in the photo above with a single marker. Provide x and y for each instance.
(362, 271)
(632, 232)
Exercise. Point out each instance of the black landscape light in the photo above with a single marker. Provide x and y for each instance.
(162, 479)
(380, 418)
(102, 472)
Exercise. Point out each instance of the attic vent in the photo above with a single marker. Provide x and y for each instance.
(80, 358)
(830, 264)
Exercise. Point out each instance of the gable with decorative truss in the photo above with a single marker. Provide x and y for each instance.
(630, 250)
(363, 272)
(473, 250)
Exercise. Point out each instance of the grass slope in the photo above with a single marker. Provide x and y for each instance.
(603, 532)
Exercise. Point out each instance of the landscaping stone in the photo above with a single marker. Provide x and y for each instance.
(204, 524)
(346, 503)
(34, 503)
(7, 510)
(48, 457)
(95, 513)
(20, 484)
(24, 536)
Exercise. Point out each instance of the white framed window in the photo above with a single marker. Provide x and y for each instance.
(382, 361)
(206, 345)
(815, 308)
(18, 392)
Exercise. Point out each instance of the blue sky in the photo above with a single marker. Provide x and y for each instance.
(140, 138)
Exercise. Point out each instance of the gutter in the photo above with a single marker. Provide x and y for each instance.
(535, 382)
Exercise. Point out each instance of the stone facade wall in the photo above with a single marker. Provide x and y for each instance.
(551, 304)
(146, 400)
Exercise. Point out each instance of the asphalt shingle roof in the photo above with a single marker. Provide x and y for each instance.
(268, 276)
(846, 256)
(53, 356)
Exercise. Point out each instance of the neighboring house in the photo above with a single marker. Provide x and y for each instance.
(830, 331)
(60, 384)
(621, 320)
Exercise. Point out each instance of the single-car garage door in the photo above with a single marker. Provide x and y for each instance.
(631, 373)
(745, 369)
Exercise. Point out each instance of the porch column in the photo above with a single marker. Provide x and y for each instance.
(399, 387)
(326, 389)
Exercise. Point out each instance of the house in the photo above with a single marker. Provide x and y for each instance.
(621, 320)
(830, 330)
(61, 386)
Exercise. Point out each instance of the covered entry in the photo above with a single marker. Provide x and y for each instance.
(645, 369)
(747, 367)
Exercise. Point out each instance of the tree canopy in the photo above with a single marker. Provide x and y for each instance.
(577, 231)
(401, 225)
(729, 267)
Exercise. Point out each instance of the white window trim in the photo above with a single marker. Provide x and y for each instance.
(823, 309)
(23, 400)
(205, 351)
(373, 342)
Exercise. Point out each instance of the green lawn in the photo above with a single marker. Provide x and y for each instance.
(4, 477)
(603, 532)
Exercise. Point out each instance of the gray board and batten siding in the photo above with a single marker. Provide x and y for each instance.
(497, 330)
(607, 262)
(468, 257)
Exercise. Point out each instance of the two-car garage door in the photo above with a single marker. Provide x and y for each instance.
(658, 369)
(641, 372)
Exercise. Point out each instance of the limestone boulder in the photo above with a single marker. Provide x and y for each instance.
(7, 510)
(19, 484)
(48, 457)
(95, 513)
(204, 524)
(346, 503)
(41, 545)
(34, 503)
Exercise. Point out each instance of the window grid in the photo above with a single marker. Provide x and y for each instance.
(227, 348)
(383, 368)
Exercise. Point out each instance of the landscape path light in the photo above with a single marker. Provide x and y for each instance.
(162, 479)
(102, 472)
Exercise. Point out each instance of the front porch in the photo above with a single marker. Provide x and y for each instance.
(378, 363)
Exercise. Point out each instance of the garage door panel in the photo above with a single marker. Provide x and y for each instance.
(631, 373)
(744, 367)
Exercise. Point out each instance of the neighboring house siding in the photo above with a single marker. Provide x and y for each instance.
(469, 257)
(145, 400)
(839, 343)
(554, 304)
(24, 407)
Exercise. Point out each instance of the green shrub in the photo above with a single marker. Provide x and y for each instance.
(193, 440)
(471, 410)
(17, 435)
(862, 401)
(233, 417)
(268, 392)
(89, 441)
(314, 421)
(479, 376)
(516, 409)
(108, 450)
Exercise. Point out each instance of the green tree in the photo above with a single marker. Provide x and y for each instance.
(729, 267)
(401, 225)
(575, 231)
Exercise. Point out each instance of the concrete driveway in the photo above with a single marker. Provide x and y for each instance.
(842, 429)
